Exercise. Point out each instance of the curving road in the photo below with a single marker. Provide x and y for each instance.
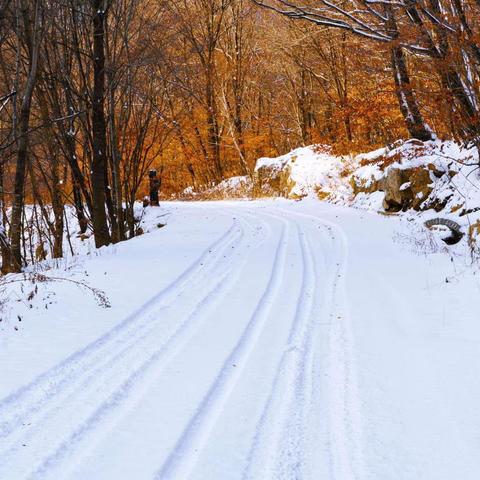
(242, 367)
(223, 369)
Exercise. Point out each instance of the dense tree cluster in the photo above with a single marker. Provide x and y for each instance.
(94, 93)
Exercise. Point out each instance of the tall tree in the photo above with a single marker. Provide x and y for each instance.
(29, 19)
(99, 12)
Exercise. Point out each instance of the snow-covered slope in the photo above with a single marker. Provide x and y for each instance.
(314, 169)
(248, 340)
(421, 178)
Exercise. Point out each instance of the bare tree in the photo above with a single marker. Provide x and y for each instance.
(29, 18)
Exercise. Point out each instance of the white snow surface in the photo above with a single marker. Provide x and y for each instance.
(247, 340)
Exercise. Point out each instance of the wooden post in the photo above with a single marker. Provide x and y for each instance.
(154, 188)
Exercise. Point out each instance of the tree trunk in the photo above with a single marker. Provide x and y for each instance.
(115, 168)
(57, 207)
(79, 208)
(4, 242)
(22, 143)
(99, 129)
(416, 126)
(213, 135)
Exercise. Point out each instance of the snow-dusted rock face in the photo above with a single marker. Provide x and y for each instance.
(405, 188)
(305, 171)
(396, 186)
(421, 176)
(273, 177)
(411, 175)
(234, 187)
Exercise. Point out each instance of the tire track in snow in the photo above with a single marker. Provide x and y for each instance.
(185, 453)
(123, 386)
(15, 408)
(344, 419)
(345, 414)
(289, 395)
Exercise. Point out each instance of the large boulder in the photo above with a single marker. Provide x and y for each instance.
(421, 186)
(272, 180)
(233, 187)
(305, 171)
(405, 188)
(398, 195)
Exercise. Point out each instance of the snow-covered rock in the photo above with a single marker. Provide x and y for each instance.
(305, 171)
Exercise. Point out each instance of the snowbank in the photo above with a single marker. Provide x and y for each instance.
(426, 177)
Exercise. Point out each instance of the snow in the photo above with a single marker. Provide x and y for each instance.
(267, 339)
(368, 173)
(454, 174)
(75, 244)
(311, 168)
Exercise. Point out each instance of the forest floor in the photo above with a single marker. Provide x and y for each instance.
(246, 340)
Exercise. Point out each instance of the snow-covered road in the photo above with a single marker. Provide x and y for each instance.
(232, 351)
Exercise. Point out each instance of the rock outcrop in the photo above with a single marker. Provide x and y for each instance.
(405, 188)
(272, 180)
(396, 186)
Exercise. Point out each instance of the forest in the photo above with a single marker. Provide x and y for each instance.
(96, 93)
(239, 239)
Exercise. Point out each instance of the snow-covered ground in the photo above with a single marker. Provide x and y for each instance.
(247, 340)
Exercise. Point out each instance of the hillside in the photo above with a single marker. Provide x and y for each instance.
(419, 180)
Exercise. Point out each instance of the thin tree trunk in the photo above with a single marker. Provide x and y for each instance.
(79, 208)
(115, 168)
(213, 135)
(57, 207)
(4, 242)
